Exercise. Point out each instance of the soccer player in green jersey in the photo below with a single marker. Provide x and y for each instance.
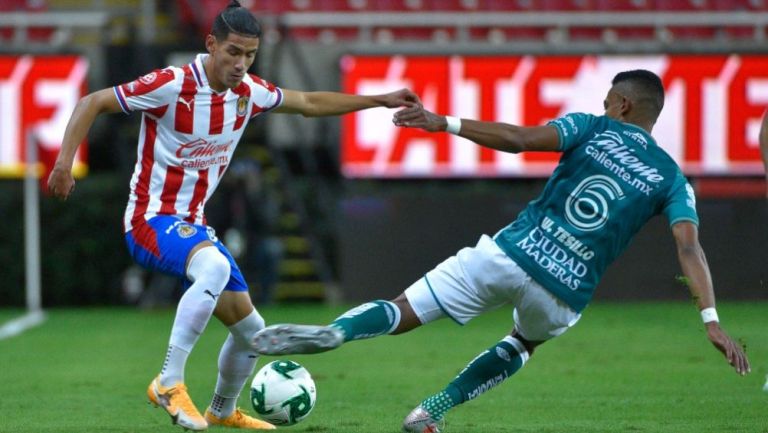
(611, 179)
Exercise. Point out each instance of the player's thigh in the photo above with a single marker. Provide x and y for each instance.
(540, 316)
(164, 244)
(477, 279)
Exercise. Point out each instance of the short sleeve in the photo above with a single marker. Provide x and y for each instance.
(155, 89)
(265, 96)
(572, 128)
(681, 203)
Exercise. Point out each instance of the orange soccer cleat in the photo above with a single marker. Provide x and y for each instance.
(238, 419)
(175, 400)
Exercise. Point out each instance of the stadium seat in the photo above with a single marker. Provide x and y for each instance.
(210, 8)
(23, 5)
(687, 33)
(324, 35)
(397, 5)
(340, 5)
(452, 5)
(199, 14)
(625, 5)
(634, 33)
(682, 5)
(501, 35)
(740, 5)
(507, 5)
(565, 5)
(738, 33)
(274, 7)
(627, 33)
(36, 34)
(693, 33)
(412, 34)
(586, 33)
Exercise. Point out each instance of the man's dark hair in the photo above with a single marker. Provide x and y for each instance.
(643, 88)
(235, 19)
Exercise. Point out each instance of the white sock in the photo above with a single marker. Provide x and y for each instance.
(237, 361)
(173, 367)
(209, 271)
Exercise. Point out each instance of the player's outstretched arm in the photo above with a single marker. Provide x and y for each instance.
(60, 182)
(696, 270)
(764, 146)
(495, 135)
(314, 104)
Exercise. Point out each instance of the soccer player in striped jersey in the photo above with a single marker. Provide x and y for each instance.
(612, 178)
(763, 140)
(192, 119)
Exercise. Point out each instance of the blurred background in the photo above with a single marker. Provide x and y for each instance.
(347, 209)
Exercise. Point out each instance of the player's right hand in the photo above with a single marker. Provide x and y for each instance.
(733, 351)
(61, 183)
(401, 98)
(416, 116)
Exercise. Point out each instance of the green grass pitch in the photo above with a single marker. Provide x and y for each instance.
(636, 367)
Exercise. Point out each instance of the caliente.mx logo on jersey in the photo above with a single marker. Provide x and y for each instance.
(587, 206)
(610, 152)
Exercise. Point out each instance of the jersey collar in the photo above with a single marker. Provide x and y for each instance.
(641, 130)
(199, 71)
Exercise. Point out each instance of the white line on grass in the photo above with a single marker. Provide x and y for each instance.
(21, 324)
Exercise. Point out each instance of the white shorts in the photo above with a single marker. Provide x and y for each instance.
(483, 278)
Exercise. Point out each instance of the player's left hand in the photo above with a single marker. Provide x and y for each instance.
(733, 351)
(400, 98)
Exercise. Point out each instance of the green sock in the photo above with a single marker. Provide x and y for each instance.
(489, 369)
(438, 404)
(368, 320)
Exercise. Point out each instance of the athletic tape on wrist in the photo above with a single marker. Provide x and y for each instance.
(709, 315)
(453, 125)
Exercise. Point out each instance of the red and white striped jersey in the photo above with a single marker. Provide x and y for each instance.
(188, 135)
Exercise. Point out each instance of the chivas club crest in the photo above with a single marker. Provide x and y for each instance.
(149, 78)
(186, 231)
(242, 105)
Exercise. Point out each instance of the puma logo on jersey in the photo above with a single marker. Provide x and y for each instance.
(187, 103)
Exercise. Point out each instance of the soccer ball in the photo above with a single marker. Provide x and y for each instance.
(283, 392)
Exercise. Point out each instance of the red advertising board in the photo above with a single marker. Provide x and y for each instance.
(709, 124)
(37, 96)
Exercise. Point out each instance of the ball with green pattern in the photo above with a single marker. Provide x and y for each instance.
(283, 392)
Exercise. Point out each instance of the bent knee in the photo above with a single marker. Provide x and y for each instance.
(209, 263)
(408, 318)
(530, 346)
(220, 266)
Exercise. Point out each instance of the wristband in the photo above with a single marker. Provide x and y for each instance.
(709, 315)
(453, 125)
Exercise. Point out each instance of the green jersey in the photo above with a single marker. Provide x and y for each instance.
(611, 179)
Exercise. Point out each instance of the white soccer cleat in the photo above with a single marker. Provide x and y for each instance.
(290, 339)
(420, 421)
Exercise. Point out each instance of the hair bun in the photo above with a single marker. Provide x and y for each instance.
(234, 4)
